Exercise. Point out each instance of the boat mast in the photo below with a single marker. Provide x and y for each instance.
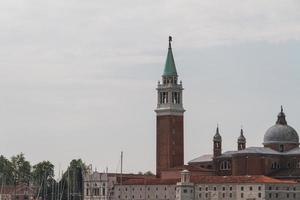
(121, 179)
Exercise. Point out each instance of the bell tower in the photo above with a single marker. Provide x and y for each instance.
(241, 141)
(169, 118)
(217, 143)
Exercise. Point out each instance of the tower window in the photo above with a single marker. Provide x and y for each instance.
(163, 97)
(176, 97)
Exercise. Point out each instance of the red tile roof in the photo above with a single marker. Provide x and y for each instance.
(19, 189)
(238, 179)
(151, 181)
(209, 180)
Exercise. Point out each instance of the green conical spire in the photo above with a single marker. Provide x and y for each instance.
(170, 68)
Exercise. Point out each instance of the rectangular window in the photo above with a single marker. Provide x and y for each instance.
(166, 97)
(161, 98)
(174, 97)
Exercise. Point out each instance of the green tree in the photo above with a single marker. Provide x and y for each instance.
(148, 173)
(42, 176)
(72, 180)
(42, 171)
(21, 169)
(6, 171)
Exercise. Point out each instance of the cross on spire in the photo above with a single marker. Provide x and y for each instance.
(170, 40)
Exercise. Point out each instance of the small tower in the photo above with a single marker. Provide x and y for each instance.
(217, 143)
(185, 189)
(169, 118)
(241, 142)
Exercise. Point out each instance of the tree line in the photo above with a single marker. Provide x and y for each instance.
(17, 170)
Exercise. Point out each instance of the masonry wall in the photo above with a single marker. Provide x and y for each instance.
(143, 192)
(218, 191)
(282, 191)
(229, 191)
(170, 148)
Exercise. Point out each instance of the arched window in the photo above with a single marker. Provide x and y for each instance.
(281, 148)
(275, 165)
(225, 165)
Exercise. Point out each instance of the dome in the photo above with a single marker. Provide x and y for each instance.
(281, 133)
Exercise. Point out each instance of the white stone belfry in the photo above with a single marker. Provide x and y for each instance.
(185, 189)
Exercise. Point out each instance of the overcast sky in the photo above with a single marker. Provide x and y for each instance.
(78, 77)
